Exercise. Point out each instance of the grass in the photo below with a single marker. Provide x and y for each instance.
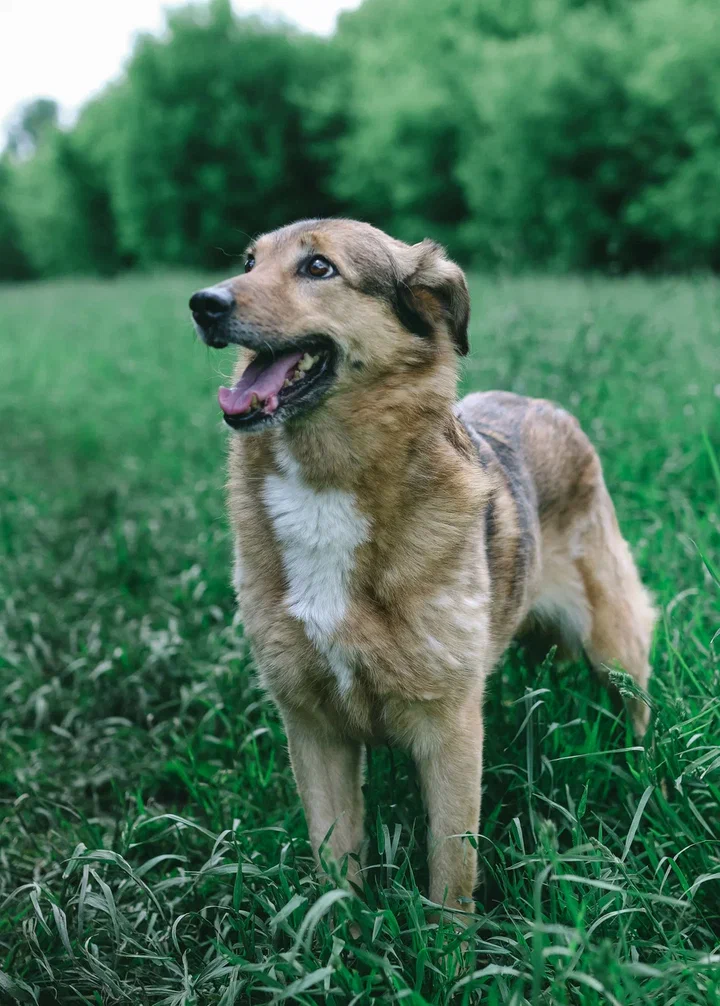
(152, 848)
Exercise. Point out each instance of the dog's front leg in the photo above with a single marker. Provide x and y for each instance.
(449, 760)
(328, 770)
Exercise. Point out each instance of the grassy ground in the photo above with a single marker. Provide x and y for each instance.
(152, 848)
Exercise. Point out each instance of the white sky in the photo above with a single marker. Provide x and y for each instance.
(67, 49)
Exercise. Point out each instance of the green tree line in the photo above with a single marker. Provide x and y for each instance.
(555, 134)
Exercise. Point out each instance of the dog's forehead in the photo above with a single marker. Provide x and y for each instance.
(350, 243)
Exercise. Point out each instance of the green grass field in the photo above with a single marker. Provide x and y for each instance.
(152, 847)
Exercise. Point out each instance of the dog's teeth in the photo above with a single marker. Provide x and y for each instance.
(306, 362)
(254, 402)
(286, 383)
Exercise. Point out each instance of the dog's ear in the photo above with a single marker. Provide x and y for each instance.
(433, 289)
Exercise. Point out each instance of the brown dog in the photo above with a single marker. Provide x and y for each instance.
(390, 542)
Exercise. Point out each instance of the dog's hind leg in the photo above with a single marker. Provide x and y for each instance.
(588, 587)
(622, 616)
(591, 596)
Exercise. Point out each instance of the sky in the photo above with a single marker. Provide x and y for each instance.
(68, 49)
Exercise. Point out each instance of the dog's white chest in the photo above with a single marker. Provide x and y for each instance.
(318, 531)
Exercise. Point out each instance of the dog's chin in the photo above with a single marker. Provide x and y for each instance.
(214, 336)
(301, 396)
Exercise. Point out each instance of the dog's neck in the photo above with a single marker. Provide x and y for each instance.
(366, 440)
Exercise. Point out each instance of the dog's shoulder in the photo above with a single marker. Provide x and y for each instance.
(545, 454)
(494, 423)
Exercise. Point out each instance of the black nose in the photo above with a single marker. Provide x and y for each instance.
(209, 306)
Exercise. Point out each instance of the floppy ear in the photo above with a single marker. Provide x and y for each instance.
(434, 290)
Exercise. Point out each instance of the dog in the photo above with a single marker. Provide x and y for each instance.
(390, 542)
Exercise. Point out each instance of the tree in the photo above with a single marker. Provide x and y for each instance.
(597, 145)
(13, 261)
(210, 141)
(399, 106)
(679, 77)
(570, 134)
(34, 120)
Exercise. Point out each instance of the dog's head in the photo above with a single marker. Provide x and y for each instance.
(330, 305)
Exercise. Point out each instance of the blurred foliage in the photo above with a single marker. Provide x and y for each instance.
(32, 122)
(405, 110)
(545, 133)
(62, 208)
(597, 141)
(13, 261)
(210, 144)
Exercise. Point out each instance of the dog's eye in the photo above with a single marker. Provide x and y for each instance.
(249, 263)
(318, 268)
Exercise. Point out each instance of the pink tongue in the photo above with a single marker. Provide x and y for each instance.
(260, 378)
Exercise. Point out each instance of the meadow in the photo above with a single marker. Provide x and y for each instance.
(152, 846)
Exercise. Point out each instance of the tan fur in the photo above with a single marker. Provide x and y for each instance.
(470, 520)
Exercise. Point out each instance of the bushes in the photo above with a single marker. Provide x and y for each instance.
(63, 211)
(546, 133)
(404, 107)
(199, 146)
(58, 200)
(210, 146)
(13, 261)
(597, 138)
(680, 74)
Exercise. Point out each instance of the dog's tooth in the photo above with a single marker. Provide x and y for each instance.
(306, 362)
(287, 383)
(254, 401)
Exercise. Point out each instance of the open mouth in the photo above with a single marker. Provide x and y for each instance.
(277, 385)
